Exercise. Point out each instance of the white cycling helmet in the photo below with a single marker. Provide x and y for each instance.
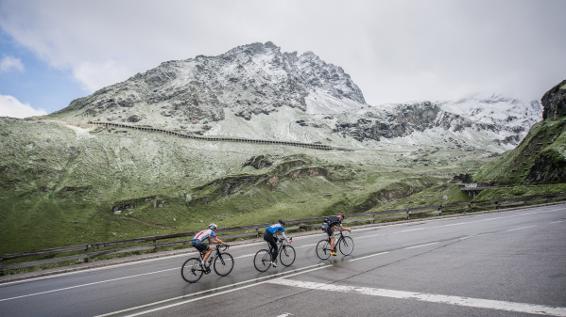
(212, 226)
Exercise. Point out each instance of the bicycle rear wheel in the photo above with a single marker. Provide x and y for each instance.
(262, 260)
(223, 264)
(346, 245)
(323, 249)
(191, 271)
(287, 255)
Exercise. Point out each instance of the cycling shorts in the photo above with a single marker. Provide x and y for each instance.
(199, 245)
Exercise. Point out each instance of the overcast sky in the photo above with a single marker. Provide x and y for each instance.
(396, 51)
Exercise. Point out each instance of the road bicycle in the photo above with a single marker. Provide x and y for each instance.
(222, 263)
(345, 244)
(287, 255)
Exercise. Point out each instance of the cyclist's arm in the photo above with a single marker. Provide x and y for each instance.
(342, 228)
(285, 236)
(217, 241)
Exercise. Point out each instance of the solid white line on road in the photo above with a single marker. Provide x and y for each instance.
(411, 230)
(244, 256)
(285, 315)
(420, 246)
(83, 285)
(302, 271)
(259, 280)
(432, 298)
(306, 246)
(368, 256)
(454, 224)
(520, 228)
(558, 221)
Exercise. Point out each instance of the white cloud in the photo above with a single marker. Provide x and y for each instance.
(394, 50)
(9, 63)
(96, 75)
(12, 107)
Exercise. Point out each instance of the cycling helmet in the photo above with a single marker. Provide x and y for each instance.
(281, 222)
(212, 226)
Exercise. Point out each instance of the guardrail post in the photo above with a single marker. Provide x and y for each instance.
(257, 232)
(408, 212)
(440, 210)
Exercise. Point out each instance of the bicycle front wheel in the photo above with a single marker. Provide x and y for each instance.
(323, 249)
(191, 271)
(262, 260)
(287, 255)
(223, 264)
(346, 245)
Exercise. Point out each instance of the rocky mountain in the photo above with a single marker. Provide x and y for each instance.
(63, 180)
(541, 157)
(257, 91)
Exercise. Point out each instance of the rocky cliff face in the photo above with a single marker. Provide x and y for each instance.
(257, 91)
(541, 157)
(554, 102)
(247, 80)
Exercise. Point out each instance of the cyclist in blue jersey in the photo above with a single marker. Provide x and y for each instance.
(202, 239)
(271, 235)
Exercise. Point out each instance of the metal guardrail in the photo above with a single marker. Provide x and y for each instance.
(89, 251)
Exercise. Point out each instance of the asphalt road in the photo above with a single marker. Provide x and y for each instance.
(510, 263)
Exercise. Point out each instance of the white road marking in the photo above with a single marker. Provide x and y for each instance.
(286, 274)
(285, 315)
(368, 256)
(558, 221)
(432, 298)
(411, 230)
(454, 224)
(520, 228)
(295, 272)
(306, 246)
(244, 256)
(87, 284)
(420, 246)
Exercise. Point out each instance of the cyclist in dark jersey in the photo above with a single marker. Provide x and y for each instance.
(331, 224)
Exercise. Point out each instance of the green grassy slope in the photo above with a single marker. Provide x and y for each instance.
(546, 143)
(63, 185)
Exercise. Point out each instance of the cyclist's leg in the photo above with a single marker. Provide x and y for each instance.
(208, 252)
(273, 245)
(330, 232)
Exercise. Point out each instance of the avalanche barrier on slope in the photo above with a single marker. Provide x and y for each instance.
(314, 146)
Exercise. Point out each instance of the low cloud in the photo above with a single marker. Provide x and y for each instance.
(10, 63)
(394, 50)
(11, 107)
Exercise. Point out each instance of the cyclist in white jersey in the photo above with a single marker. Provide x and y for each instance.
(203, 238)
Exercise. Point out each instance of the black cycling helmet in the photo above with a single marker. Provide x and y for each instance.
(281, 222)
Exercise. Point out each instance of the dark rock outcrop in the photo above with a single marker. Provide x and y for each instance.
(554, 102)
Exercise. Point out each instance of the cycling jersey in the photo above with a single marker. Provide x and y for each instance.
(273, 229)
(204, 234)
(332, 220)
